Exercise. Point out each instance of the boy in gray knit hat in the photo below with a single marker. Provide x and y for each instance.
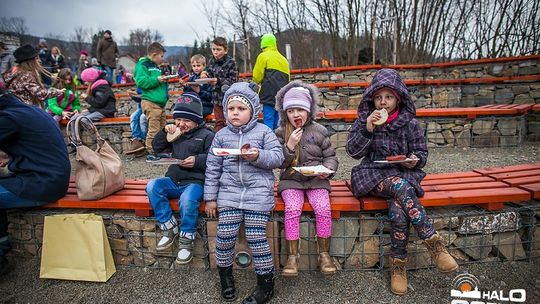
(189, 140)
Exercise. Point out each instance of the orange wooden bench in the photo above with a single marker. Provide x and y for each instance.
(525, 177)
(351, 115)
(469, 112)
(133, 197)
(488, 188)
(460, 188)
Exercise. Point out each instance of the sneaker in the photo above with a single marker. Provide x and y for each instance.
(185, 254)
(154, 157)
(135, 146)
(167, 239)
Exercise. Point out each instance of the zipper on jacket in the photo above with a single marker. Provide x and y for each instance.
(240, 162)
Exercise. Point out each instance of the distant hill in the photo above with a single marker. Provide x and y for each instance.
(177, 50)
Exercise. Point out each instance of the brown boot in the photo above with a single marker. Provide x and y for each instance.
(398, 276)
(444, 261)
(135, 146)
(291, 269)
(326, 265)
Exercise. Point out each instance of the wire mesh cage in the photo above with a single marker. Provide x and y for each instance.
(360, 240)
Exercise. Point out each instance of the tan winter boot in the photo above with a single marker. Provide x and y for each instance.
(135, 146)
(444, 261)
(291, 269)
(326, 265)
(398, 276)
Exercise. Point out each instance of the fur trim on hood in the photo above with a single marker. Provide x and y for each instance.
(313, 91)
(249, 91)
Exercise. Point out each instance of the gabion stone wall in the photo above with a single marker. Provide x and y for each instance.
(360, 241)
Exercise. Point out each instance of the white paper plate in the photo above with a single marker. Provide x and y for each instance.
(313, 170)
(228, 152)
(393, 161)
(165, 161)
(203, 80)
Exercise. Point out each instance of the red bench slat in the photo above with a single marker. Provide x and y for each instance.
(496, 170)
(464, 180)
(451, 175)
(460, 197)
(506, 175)
(467, 186)
(522, 180)
(533, 188)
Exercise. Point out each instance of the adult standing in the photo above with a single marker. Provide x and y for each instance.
(271, 71)
(107, 52)
(38, 170)
(59, 60)
(47, 62)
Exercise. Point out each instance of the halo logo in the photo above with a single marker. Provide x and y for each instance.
(466, 285)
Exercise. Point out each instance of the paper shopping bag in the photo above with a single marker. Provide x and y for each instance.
(75, 247)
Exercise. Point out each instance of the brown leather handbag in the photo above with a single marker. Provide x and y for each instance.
(99, 172)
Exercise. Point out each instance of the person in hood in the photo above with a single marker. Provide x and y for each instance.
(399, 182)
(241, 188)
(154, 95)
(271, 72)
(183, 181)
(304, 143)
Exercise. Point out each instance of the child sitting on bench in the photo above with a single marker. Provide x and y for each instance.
(378, 139)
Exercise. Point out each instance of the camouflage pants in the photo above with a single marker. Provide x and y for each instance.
(403, 208)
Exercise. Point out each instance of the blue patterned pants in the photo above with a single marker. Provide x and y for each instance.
(227, 233)
(403, 208)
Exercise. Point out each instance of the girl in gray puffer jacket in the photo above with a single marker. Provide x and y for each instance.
(241, 188)
(305, 143)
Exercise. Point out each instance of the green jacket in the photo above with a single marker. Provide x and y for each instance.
(271, 71)
(69, 101)
(146, 78)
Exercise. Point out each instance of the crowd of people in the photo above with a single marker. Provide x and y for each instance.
(231, 165)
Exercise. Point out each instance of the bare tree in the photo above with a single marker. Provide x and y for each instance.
(16, 25)
(211, 10)
(80, 38)
(139, 39)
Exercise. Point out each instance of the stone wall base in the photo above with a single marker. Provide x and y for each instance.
(360, 241)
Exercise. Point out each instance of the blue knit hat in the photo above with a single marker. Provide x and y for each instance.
(189, 106)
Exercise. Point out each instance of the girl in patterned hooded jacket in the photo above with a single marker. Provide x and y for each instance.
(398, 182)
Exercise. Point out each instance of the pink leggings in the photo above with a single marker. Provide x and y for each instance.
(319, 199)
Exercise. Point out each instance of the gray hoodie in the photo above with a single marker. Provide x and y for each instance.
(233, 181)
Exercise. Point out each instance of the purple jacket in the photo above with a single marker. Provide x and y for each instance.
(401, 136)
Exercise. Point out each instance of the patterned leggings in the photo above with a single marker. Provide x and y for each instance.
(227, 233)
(403, 207)
(319, 200)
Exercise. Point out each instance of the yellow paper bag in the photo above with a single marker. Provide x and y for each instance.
(75, 247)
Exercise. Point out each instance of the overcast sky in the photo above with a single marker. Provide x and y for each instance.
(180, 21)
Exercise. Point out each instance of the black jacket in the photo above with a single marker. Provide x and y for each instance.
(197, 142)
(102, 100)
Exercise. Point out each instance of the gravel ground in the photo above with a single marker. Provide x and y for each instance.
(139, 285)
(440, 160)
